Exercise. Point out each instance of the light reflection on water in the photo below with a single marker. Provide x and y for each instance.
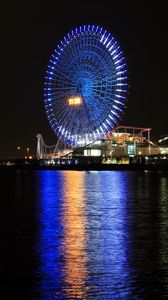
(75, 235)
(50, 236)
(84, 236)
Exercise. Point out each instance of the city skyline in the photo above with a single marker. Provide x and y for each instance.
(30, 36)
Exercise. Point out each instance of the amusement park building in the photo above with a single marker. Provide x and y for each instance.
(121, 143)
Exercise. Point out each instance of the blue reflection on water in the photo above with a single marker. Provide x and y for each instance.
(84, 243)
(109, 236)
(50, 235)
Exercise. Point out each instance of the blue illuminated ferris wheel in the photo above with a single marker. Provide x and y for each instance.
(85, 85)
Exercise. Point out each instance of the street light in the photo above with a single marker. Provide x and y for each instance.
(18, 151)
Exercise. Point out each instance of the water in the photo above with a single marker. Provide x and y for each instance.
(83, 235)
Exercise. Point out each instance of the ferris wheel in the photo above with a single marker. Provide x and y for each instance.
(85, 85)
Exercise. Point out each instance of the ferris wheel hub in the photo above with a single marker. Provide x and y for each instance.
(75, 101)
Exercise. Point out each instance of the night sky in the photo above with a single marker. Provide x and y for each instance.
(29, 36)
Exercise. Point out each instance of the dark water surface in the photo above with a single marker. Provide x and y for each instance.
(83, 235)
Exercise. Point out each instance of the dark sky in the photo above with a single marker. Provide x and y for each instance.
(31, 32)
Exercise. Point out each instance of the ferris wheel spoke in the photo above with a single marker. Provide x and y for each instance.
(59, 110)
(104, 93)
(63, 78)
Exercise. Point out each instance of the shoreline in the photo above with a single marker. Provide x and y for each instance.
(91, 167)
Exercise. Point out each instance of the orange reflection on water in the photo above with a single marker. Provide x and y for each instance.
(74, 220)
